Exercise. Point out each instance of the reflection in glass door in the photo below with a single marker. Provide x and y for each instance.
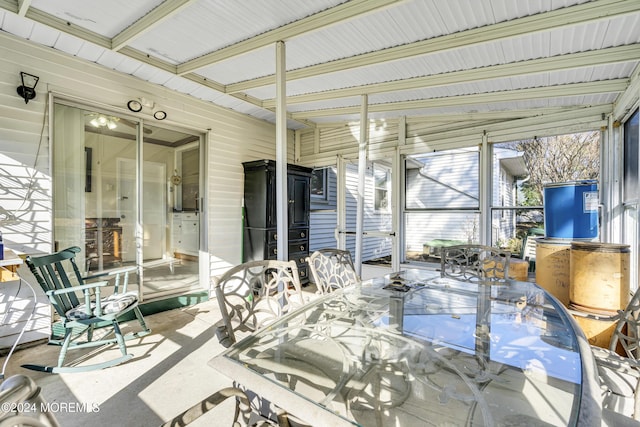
(122, 210)
(170, 232)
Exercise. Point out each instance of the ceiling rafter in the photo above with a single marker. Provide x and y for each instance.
(23, 6)
(573, 89)
(161, 13)
(242, 96)
(149, 60)
(498, 115)
(438, 119)
(568, 16)
(310, 23)
(626, 53)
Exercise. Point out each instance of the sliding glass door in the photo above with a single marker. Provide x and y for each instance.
(120, 195)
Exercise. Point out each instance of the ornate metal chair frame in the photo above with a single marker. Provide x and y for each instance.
(332, 269)
(473, 263)
(620, 376)
(250, 296)
(82, 307)
(253, 294)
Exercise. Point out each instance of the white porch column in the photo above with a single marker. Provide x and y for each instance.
(485, 192)
(397, 181)
(341, 225)
(281, 152)
(362, 166)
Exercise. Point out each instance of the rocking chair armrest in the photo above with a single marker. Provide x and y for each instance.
(78, 288)
(117, 272)
(53, 294)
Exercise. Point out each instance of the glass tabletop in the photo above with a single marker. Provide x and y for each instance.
(416, 349)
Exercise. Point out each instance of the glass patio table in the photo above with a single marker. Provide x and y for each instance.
(412, 348)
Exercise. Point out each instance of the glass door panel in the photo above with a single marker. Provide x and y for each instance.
(378, 233)
(170, 232)
(122, 211)
(95, 196)
(442, 202)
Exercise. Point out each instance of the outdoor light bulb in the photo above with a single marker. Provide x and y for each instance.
(94, 122)
(29, 80)
(111, 124)
(102, 121)
(134, 106)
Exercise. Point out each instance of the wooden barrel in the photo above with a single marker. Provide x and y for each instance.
(599, 277)
(597, 331)
(552, 267)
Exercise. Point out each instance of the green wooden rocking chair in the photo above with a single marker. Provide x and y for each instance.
(83, 308)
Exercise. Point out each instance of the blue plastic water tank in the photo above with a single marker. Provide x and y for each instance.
(571, 210)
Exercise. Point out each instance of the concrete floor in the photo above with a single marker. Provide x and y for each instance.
(168, 374)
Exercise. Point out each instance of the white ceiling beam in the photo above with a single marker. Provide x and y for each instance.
(310, 23)
(488, 115)
(629, 98)
(161, 13)
(23, 7)
(509, 130)
(443, 119)
(146, 59)
(558, 18)
(535, 66)
(574, 89)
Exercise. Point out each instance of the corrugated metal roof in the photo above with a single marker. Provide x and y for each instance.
(434, 52)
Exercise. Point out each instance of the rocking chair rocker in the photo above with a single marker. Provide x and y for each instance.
(81, 313)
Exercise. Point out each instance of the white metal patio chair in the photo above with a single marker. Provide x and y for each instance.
(332, 269)
(620, 375)
(253, 294)
(473, 263)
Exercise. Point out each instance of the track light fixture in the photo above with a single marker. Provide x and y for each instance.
(28, 88)
(136, 105)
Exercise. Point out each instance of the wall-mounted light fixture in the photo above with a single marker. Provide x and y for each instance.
(28, 88)
(160, 115)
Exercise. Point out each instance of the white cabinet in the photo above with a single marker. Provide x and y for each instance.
(185, 233)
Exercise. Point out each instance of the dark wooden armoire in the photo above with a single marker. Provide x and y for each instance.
(260, 224)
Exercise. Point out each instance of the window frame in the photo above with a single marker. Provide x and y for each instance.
(385, 188)
(324, 197)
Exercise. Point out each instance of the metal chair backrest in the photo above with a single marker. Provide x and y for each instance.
(254, 294)
(474, 263)
(332, 269)
(627, 330)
